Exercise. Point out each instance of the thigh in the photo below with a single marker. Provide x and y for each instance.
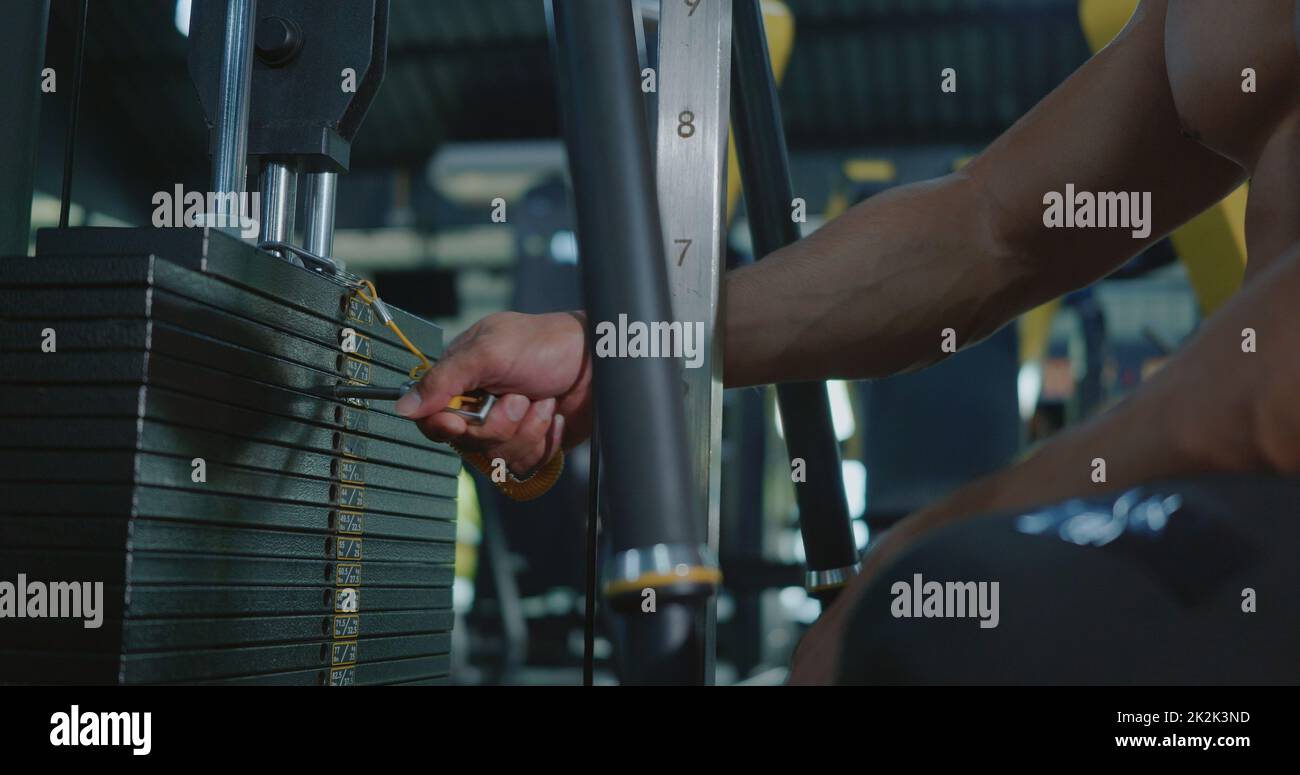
(1181, 582)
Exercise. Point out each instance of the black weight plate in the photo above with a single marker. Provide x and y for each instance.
(31, 499)
(420, 669)
(18, 667)
(185, 601)
(357, 486)
(171, 380)
(26, 332)
(177, 666)
(142, 635)
(172, 312)
(23, 272)
(58, 532)
(158, 535)
(65, 636)
(172, 568)
(131, 367)
(44, 534)
(71, 400)
(63, 565)
(152, 634)
(195, 378)
(49, 308)
(109, 466)
(76, 530)
(204, 601)
(164, 536)
(158, 568)
(170, 439)
(213, 254)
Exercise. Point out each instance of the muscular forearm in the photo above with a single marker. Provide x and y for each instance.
(871, 292)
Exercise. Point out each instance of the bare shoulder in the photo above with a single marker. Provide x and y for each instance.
(1233, 72)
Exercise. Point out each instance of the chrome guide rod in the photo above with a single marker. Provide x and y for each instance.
(318, 231)
(230, 154)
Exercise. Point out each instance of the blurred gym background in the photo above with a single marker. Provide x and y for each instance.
(467, 113)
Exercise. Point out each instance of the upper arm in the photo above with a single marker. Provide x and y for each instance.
(1111, 127)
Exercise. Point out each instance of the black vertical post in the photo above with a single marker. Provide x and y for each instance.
(22, 57)
(592, 552)
(745, 423)
(659, 560)
(74, 112)
(824, 520)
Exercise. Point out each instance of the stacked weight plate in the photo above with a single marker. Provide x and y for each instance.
(178, 445)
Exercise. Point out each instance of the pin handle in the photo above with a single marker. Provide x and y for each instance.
(473, 406)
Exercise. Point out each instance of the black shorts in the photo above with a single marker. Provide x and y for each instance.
(1182, 582)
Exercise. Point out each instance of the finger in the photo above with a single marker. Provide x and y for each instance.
(502, 423)
(499, 427)
(454, 375)
(527, 448)
(444, 427)
(556, 442)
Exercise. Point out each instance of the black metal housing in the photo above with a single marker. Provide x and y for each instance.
(22, 55)
(299, 109)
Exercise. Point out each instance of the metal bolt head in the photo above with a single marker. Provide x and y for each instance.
(277, 40)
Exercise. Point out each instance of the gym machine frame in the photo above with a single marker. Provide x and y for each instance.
(662, 490)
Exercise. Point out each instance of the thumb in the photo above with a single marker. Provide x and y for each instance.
(454, 375)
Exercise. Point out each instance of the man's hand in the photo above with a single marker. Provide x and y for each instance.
(539, 367)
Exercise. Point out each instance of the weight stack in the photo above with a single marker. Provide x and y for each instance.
(166, 430)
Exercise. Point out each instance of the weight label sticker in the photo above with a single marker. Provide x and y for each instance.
(344, 653)
(352, 446)
(356, 421)
(361, 346)
(349, 548)
(352, 472)
(347, 626)
(349, 522)
(347, 574)
(343, 676)
(347, 600)
(360, 311)
(357, 371)
(352, 497)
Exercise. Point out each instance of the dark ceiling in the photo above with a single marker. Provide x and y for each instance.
(863, 72)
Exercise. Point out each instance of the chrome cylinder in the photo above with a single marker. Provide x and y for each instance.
(229, 157)
(318, 234)
(279, 201)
